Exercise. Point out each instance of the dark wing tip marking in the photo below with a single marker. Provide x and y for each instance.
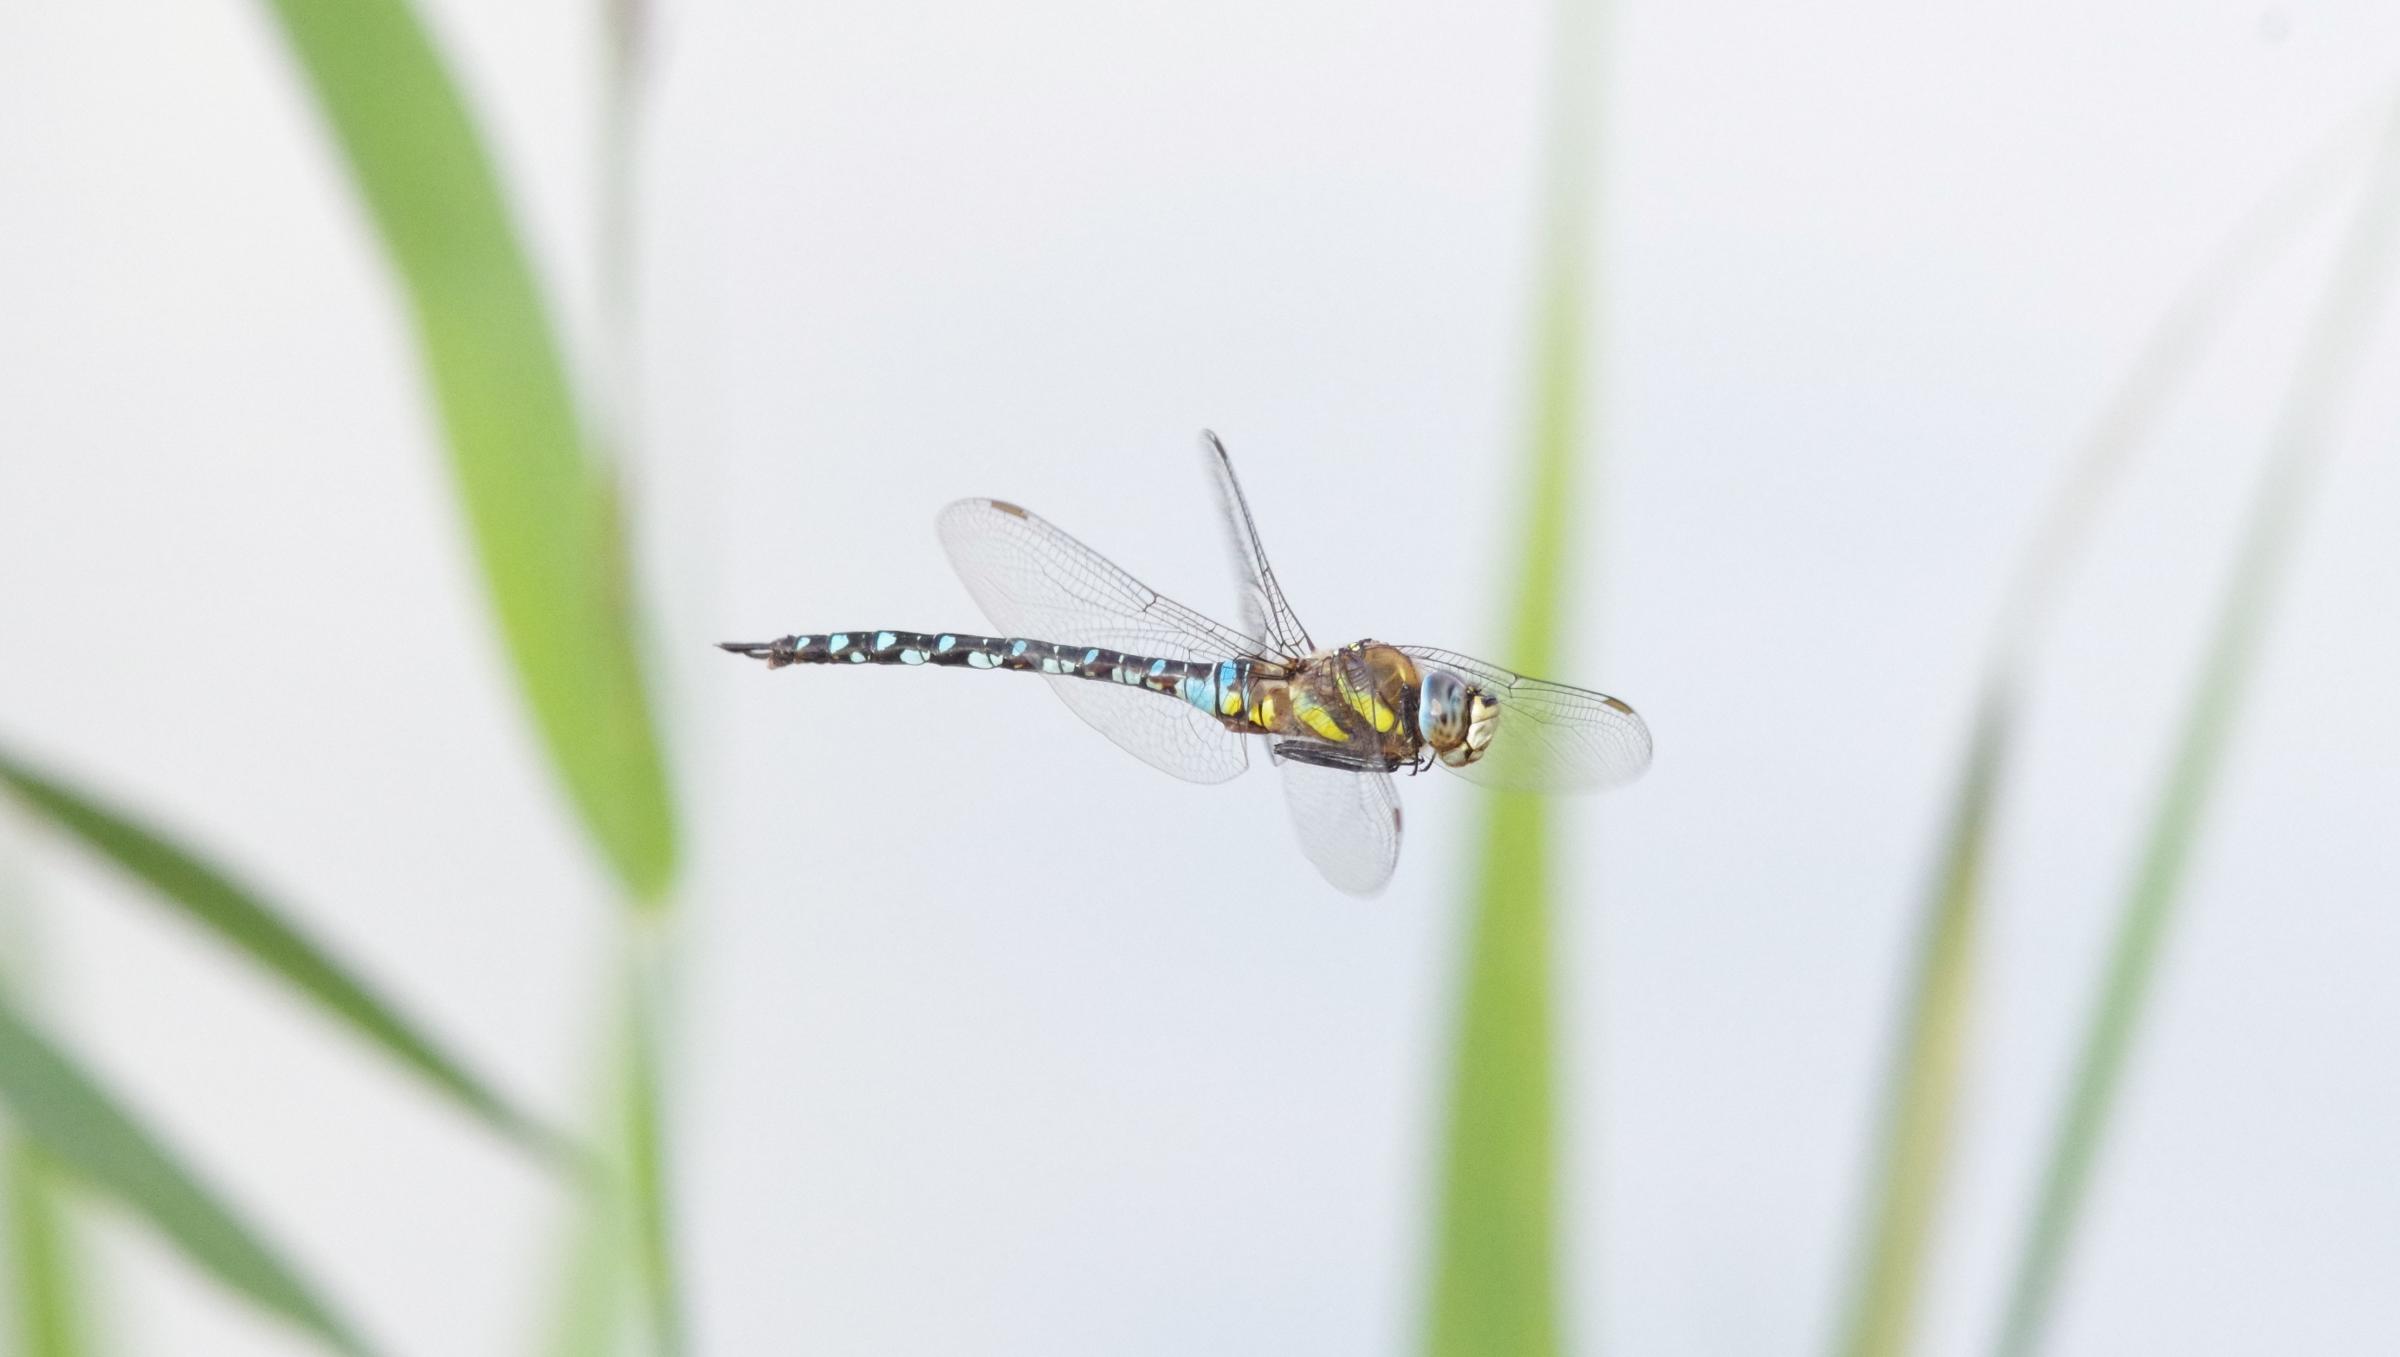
(1612, 702)
(1005, 507)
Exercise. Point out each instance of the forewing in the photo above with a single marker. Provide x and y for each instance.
(1264, 611)
(1552, 738)
(1348, 822)
(1036, 582)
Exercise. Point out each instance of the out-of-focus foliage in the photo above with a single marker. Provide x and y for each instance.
(43, 1296)
(542, 509)
(540, 501)
(182, 879)
(1923, 1085)
(1495, 1272)
(2356, 287)
(52, 1103)
(1926, 1073)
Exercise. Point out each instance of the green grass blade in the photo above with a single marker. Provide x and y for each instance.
(45, 1308)
(52, 1103)
(44, 1296)
(1495, 1282)
(646, 1162)
(538, 503)
(243, 918)
(2356, 287)
(1495, 1270)
(1923, 1093)
(618, 1286)
(601, 1304)
(592, 1317)
(1922, 1087)
(617, 1280)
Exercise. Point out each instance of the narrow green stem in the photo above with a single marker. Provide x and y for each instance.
(617, 1280)
(45, 1292)
(1927, 1070)
(46, 1296)
(1495, 1282)
(646, 993)
(2354, 289)
(1927, 1067)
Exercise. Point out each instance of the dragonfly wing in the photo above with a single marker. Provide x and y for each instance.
(1165, 732)
(1552, 738)
(1034, 581)
(1348, 821)
(1264, 611)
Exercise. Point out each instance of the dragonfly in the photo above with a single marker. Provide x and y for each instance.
(1191, 695)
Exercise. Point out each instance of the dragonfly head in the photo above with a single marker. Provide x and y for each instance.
(1456, 718)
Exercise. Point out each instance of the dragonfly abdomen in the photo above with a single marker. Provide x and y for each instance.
(1202, 683)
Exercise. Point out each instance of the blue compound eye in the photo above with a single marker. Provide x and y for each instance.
(1442, 710)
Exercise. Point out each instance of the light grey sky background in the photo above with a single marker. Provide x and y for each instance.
(997, 1042)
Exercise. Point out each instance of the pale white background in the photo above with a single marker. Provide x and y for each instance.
(996, 1042)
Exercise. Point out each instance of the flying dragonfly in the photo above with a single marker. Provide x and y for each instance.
(1188, 694)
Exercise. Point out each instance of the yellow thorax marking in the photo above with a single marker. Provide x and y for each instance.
(1365, 702)
(1371, 707)
(1316, 718)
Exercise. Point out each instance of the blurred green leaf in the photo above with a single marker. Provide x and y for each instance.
(646, 1154)
(45, 1307)
(617, 1245)
(243, 918)
(1923, 1084)
(541, 509)
(1495, 1270)
(1495, 1285)
(2356, 287)
(592, 1317)
(52, 1103)
(45, 1299)
(1925, 1076)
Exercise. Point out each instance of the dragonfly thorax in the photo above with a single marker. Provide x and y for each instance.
(1355, 706)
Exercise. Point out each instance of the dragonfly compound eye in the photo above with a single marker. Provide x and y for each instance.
(1442, 712)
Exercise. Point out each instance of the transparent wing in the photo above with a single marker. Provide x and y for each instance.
(1036, 582)
(1348, 822)
(1264, 611)
(1552, 738)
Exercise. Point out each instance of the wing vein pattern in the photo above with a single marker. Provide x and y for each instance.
(1552, 738)
(1264, 608)
(1036, 582)
(1348, 822)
